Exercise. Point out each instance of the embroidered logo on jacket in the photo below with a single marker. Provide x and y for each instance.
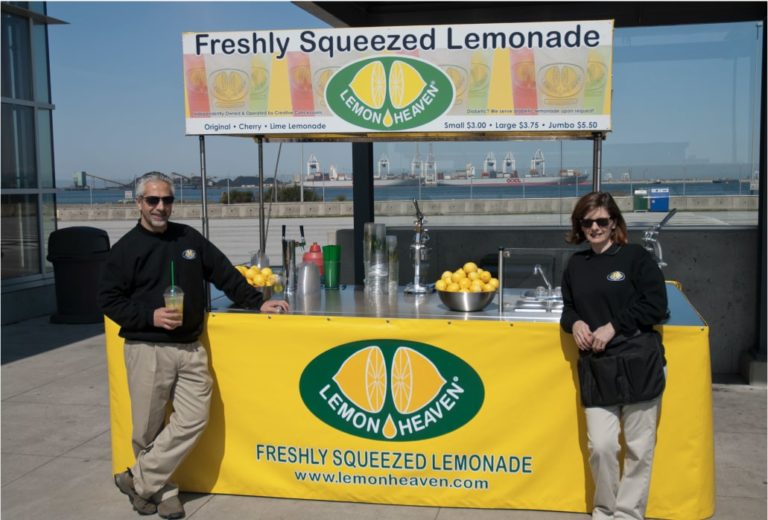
(189, 254)
(616, 276)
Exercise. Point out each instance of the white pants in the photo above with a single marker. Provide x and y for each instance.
(159, 373)
(616, 496)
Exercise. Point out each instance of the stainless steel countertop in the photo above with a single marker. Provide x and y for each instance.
(354, 301)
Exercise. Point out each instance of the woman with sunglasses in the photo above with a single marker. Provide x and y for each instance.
(613, 291)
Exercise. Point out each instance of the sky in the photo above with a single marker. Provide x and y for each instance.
(117, 87)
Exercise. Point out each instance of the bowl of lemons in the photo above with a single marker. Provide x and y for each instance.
(467, 289)
(263, 279)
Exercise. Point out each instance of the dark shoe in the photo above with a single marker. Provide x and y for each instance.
(124, 482)
(171, 508)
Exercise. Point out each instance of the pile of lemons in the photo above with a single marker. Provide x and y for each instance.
(263, 277)
(468, 278)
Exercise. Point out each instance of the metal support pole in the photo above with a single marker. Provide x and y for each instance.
(362, 200)
(597, 159)
(204, 187)
(262, 229)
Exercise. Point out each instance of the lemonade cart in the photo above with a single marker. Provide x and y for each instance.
(392, 397)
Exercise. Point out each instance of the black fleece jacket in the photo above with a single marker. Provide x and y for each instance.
(138, 271)
(623, 286)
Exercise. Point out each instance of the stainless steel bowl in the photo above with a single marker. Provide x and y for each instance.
(466, 301)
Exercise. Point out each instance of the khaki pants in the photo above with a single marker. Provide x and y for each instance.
(622, 497)
(159, 373)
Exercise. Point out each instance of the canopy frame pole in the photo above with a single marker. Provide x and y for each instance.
(204, 185)
(597, 159)
(262, 230)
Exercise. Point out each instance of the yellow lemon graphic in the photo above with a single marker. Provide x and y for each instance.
(415, 380)
(229, 87)
(362, 378)
(405, 84)
(369, 84)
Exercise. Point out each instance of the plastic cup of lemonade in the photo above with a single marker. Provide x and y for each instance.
(174, 298)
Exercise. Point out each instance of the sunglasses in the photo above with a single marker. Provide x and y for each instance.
(586, 223)
(154, 201)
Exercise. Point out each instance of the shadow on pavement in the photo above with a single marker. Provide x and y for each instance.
(38, 335)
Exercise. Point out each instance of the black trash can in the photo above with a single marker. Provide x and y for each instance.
(78, 255)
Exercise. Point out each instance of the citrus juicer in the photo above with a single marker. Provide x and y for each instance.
(419, 255)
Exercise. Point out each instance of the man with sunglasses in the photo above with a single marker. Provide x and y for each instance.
(165, 361)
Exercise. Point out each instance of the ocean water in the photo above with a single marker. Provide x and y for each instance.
(733, 187)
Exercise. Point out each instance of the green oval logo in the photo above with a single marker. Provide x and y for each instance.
(389, 93)
(391, 390)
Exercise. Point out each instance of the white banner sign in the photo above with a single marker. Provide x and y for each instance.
(507, 78)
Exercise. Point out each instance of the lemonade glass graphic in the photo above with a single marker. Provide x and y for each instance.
(300, 80)
(197, 86)
(459, 78)
(479, 81)
(322, 77)
(259, 87)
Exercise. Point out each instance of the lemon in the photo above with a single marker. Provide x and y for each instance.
(362, 378)
(452, 287)
(440, 285)
(476, 286)
(405, 84)
(485, 276)
(458, 275)
(415, 380)
(369, 84)
(446, 275)
(494, 282)
(266, 271)
(470, 267)
(464, 283)
(258, 280)
(473, 276)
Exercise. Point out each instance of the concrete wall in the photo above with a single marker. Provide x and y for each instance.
(716, 267)
(128, 211)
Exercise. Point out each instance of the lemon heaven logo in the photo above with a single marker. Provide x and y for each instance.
(391, 390)
(389, 93)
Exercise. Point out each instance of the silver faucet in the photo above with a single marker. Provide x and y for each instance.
(537, 270)
(651, 239)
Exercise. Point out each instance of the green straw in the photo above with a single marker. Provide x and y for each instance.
(173, 278)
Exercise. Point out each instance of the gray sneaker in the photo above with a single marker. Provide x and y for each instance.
(124, 482)
(171, 508)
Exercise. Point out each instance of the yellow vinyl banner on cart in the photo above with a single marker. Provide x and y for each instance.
(421, 412)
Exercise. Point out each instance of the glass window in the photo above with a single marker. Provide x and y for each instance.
(49, 226)
(20, 236)
(18, 147)
(17, 61)
(685, 122)
(40, 50)
(45, 147)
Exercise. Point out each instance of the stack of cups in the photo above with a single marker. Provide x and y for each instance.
(375, 257)
(393, 264)
(331, 264)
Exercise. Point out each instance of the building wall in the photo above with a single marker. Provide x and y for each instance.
(716, 267)
(28, 213)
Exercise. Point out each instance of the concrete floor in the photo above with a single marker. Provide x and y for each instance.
(56, 445)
